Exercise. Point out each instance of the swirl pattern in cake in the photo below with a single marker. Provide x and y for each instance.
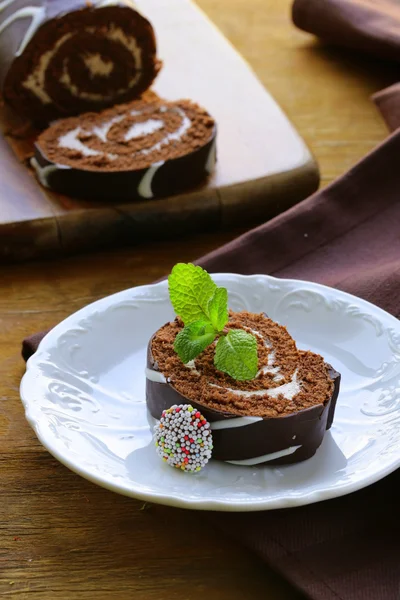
(278, 417)
(147, 148)
(62, 58)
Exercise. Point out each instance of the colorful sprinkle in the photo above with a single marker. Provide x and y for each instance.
(174, 441)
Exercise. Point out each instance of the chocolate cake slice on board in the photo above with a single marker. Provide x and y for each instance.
(64, 57)
(263, 165)
(85, 56)
(144, 149)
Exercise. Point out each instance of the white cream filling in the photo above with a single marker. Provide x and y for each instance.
(43, 173)
(145, 189)
(35, 81)
(70, 140)
(270, 368)
(141, 129)
(5, 3)
(192, 366)
(257, 460)
(234, 422)
(170, 137)
(212, 158)
(97, 66)
(118, 35)
(155, 376)
(37, 15)
(102, 131)
(114, 34)
(287, 390)
(104, 3)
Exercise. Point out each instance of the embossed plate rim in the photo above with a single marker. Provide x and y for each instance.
(336, 297)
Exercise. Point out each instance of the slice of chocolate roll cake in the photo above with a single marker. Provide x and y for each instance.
(147, 148)
(277, 414)
(64, 57)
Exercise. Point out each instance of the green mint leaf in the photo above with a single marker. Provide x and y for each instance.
(193, 339)
(236, 355)
(190, 289)
(218, 309)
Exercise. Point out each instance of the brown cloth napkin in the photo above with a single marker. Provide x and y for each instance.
(346, 236)
(372, 26)
(388, 102)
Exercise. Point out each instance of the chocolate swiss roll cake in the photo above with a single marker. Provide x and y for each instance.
(64, 57)
(144, 149)
(278, 417)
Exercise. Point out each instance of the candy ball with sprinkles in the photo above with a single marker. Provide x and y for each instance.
(183, 438)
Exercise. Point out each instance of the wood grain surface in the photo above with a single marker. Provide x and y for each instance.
(62, 537)
(263, 164)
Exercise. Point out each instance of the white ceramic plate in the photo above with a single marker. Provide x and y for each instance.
(84, 396)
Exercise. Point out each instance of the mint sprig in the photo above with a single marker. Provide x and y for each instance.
(218, 309)
(237, 353)
(190, 290)
(193, 339)
(203, 308)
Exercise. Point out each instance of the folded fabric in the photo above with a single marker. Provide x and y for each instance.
(388, 102)
(372, 26)
(346, 236)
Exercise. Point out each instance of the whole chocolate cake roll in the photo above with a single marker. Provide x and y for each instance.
(64, 57)
(144, 149)
(279, 417)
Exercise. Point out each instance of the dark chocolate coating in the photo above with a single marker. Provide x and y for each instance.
(256, 439)
(57, 18)
(173, 177)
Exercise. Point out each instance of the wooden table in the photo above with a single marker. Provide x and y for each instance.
(62, 537)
